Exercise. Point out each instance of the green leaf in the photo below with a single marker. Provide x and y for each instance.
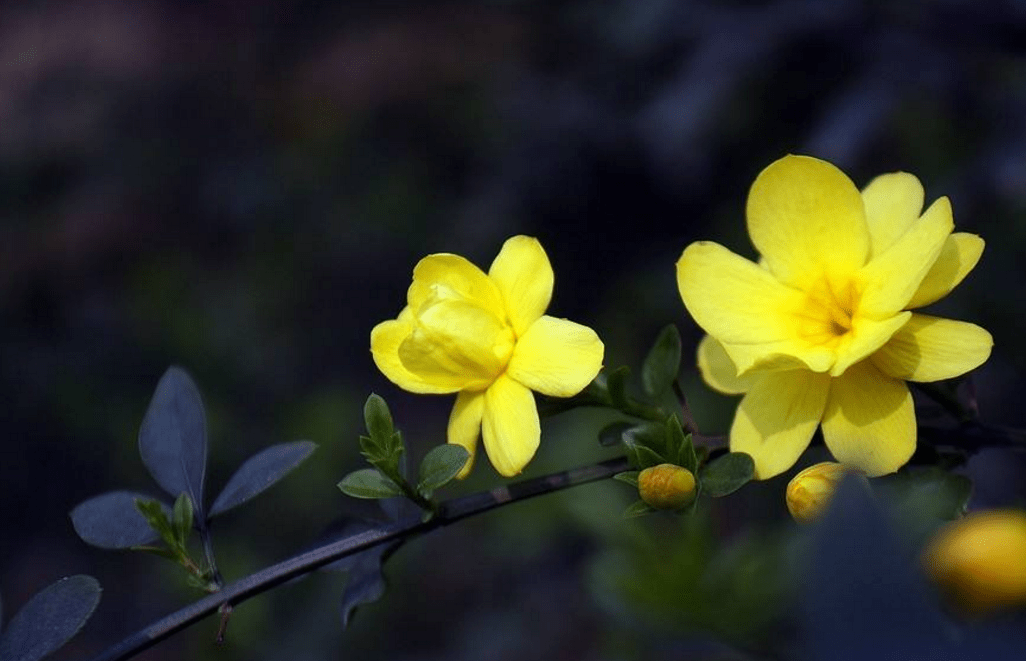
(727, 474)
(378, 418)
(628, 477)
(616, 382)
(636, 509)
(612, 434)
(662, 362)
(440, 466)
(182, 518)
(679, 448)
(369, 483)
(154, 514)
(645, 443)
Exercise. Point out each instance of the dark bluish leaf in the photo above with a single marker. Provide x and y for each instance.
(662, 362)
(365, 582)
(863, 595)
(727, 474)
(260, 472)
(112, 521)
(378, 418)
(369, 483)
(173, 437)
(440, 466)
(50, 619)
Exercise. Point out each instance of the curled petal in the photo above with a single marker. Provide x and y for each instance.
(893, 202)
(889, 281)
(807, 219)
(510, 427)
(465, 425)
(718, 369)
(777, 418)
(385, 341)
(870, 423)
(957, 258)
(556, 357)
(443, 276)
(522, 272)
(930, 349)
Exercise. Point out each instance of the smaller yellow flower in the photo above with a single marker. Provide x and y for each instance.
(810, 491)
(486, 337)
(666, 486)
(980, 561)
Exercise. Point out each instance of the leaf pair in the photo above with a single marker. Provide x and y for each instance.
(50, 619)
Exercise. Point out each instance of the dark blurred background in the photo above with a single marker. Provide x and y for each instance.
(243, 189)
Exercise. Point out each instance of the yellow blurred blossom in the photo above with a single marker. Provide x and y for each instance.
(666, 486)
(820, 331)
(809, 492)
(486, 337)
(980, 561)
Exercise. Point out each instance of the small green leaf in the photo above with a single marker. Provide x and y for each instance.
(679, 448)
(395, 446)
(616, 382)
(182, 518)
(378, 418)
(645, 443)
(628, 477)
(727, 474)
(662, 362)
(155, 516)
(440, 466)
(636, 509)
(612, 434)
(369, 483)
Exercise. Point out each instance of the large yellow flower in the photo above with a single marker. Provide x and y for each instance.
(486, 337)
(820, 332)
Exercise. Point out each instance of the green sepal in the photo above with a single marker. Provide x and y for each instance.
(726, 474)
(378, 418)
(636, 509)
(679, 448)
(369, 483)
(182, 519)
(645, 443)
(628, 477)
(662, 362)
(440, 466)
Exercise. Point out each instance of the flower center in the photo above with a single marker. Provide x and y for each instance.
(826, 315)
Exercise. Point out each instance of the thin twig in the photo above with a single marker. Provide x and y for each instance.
(449, 511)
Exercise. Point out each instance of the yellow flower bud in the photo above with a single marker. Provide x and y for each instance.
(666, 486)
(809, 492)
(980, 561)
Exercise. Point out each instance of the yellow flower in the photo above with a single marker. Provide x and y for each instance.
(485, 336)
(666, 486)
(980, 561)
(810, 491)
(820, 332)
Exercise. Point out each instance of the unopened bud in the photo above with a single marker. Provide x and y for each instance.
(809, 492)
(666, 486)
(980, 561)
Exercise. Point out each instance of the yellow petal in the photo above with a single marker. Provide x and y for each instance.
(893, 202)
(930, 348)
(888, 282)
(959, 255)
(510, 426)
(450, 277)
(866, 337)
(524, 276)
(732, 298)
(556, 357)
(385, 340)
(753, 359)
(465, 425)
(807, 219)
(870, 423)
(455, 344)
(777, 418)
(718, 369)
